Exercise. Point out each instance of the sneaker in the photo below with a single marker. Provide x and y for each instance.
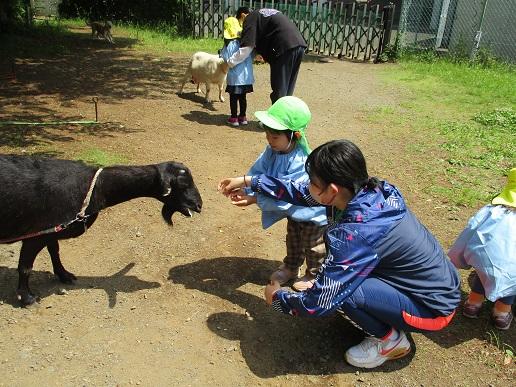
(471, 310)
(233, 121)
(283, 275)
(303, 283)
(242, 120)
(502, 321)
(373, 352)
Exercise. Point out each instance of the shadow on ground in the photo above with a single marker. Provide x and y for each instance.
(44, 283)
(271, 343)
(84, 68)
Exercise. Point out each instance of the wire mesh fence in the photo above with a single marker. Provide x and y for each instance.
(461, 27)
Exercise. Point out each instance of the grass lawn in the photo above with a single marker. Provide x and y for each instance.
(461, 121)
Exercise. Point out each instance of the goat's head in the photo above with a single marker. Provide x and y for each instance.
(179, 191)
(224, 66)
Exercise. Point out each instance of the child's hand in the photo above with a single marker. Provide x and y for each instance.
(228, 185)
(270, 289)
(240, 200)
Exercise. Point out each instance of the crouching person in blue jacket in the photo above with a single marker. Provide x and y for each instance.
(383, 269)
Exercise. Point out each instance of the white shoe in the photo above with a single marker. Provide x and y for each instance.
(373, 352)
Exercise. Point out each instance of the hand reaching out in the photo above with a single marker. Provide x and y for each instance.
(241, 200)
(228, 185)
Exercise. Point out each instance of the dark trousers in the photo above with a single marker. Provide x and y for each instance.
(234, 101)
(376, 307)
(284, 70)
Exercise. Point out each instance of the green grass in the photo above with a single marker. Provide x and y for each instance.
(461, 120)
(100, 158)
(163, 39)
(54, 37)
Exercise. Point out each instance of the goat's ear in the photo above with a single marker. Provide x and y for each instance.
(167, 191)
(165, 179)
(168, 176)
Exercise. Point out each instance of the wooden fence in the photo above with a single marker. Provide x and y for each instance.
(343, 28)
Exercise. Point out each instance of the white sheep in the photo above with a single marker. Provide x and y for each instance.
(206, 68)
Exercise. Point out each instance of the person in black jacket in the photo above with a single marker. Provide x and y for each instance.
(280, 44)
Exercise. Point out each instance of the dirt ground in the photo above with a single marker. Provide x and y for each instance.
(155, 305)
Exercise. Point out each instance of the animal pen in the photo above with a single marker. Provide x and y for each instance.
(354, 30)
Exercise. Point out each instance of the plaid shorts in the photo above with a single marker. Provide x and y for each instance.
(304, 240)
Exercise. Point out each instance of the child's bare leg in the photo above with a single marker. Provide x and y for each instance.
(475, 298)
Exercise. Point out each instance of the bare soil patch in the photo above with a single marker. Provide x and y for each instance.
(155, 305)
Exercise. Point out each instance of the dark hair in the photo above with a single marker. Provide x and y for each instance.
(340, 162)
(241, 10)
(287, 132)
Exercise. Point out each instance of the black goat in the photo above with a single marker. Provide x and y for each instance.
(42, 200)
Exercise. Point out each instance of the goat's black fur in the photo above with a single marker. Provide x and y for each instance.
(38, 194)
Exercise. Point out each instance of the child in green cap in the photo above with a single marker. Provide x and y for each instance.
(284, 157)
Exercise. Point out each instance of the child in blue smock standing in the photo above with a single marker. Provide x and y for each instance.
(284, 157)
(240, 78)
(488, 244)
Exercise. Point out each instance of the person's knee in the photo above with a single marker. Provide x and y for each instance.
(355, 301)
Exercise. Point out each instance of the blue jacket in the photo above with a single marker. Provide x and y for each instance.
(289, 166)
(378, 236)
(242, 73)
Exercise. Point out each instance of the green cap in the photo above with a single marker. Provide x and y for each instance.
(508, 196)
(288, 113)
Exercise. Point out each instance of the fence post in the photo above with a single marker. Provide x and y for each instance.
(442, 23)
(478, 35)
(385, 37)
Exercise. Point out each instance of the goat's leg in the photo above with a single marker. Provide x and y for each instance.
(29, 250)
(186, 78)
(208, 86)
(64, 276)
(198, 88)
(221, 98)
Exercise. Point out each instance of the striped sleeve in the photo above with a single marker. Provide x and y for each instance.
(349, 261)
(289, 191)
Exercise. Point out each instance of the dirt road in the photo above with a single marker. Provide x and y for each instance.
(155, 305)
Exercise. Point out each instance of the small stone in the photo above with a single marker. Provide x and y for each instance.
(62, 291)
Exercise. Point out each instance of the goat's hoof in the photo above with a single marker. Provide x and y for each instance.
(222, 99)
(66, 277)
(27, 298)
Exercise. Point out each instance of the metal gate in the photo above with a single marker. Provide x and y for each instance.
(354, 30)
